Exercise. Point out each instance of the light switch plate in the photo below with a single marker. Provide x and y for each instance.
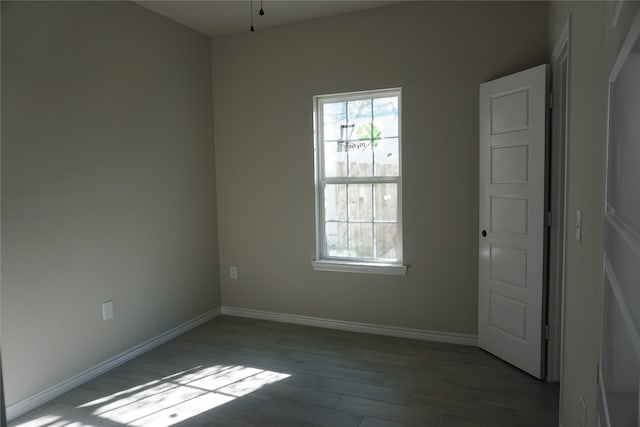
(107, 310)
(579, 226)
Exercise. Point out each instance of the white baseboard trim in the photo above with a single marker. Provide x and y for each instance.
(32, 402)
(367, 328)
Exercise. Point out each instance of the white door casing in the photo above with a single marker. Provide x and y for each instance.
(557, 164)
(512, 218)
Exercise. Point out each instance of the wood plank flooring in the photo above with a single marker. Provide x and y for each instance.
(242, 372)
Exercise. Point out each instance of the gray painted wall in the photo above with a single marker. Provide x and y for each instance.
(108, 185)
(263, 84)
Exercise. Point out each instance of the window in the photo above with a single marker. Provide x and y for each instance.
(359, 182)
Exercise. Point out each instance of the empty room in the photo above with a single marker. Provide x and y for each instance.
(320, 213)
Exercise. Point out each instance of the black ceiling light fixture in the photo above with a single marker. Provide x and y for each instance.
(251, 5)
(261, 13)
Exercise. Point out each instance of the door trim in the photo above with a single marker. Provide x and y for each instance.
(557, 237)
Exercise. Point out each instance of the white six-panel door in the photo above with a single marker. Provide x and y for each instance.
(513, 138)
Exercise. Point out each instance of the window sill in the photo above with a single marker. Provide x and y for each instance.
(360, 267)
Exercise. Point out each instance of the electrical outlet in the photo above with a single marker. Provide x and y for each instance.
(107, 310)
(233, 272)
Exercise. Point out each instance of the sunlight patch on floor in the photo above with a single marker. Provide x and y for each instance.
(181, 396)
(171, 399)
(46, 420)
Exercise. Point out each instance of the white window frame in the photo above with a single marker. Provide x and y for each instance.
(324, 262)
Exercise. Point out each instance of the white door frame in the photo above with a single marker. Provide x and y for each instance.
(558, 201)
(3, 412)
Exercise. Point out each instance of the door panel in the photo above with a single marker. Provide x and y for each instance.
(509, 164)
(509, 215)
(619, 375)
(510, 111)
(513, 138)
(508, 315)
(509, 265)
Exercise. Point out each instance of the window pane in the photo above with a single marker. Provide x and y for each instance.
(334, 116)
(335, 159)
(336, 239)
(385, 116)
(335, 202)
(359, 109)
(387, 159)
(360, 202)
(363, 132)
(361, 240)
(386, 241)
(359, 117)
(361, 161)
(366, 131)
(386, 202)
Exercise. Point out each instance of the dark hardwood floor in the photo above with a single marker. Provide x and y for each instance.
(242, 372)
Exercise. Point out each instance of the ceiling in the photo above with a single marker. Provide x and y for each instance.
(218, 17)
